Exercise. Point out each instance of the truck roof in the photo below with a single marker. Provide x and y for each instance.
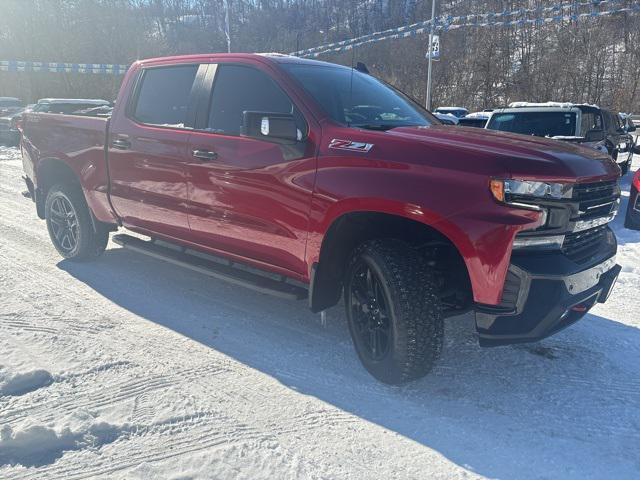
(549, 105)
(205, 57)
(84, 101)
(451, 108)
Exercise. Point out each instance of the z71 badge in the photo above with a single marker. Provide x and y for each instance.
(350, 145)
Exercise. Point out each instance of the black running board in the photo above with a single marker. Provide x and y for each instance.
(215, 267)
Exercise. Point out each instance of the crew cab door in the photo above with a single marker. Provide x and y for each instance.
(249, 197)
(148, 145)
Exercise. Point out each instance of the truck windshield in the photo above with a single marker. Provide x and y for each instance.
(361, 101)
(541, 124)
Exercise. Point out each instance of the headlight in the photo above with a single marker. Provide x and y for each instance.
(546, 242)
(505, 190)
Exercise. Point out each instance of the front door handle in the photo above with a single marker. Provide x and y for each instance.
(206, 155)
(121, 144)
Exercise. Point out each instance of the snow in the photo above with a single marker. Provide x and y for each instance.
(129, 368)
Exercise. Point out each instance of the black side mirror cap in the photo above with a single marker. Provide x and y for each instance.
(271, 127)
(595, 135)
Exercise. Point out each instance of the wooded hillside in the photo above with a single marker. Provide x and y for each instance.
(591, 60)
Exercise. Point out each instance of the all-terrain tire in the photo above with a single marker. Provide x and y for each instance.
(413, 307)
(82, 242)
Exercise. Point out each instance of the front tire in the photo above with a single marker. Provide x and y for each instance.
(393, 311)
(69, 223)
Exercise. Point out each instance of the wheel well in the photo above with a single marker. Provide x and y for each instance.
(51, 172)
(351, 230)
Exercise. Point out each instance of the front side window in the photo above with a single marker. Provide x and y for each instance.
(163, 97)
(590, 121)
(41, 107)
(356, 99)
(238, 89)
(540, 124)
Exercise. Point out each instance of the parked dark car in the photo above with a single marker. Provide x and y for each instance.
(632, 219)
(67, 105)
(101, 111)
(475, 119)
(9, 133)
(455, 111)
(589, 125)
(9, 105)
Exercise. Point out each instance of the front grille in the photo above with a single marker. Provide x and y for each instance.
(581, 246)
(596, 199)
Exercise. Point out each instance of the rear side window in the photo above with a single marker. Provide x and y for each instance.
(541, 124)
(238, 89)
(163, 97)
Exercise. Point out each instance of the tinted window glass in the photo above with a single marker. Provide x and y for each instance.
(163, 97)
(541, 124)
(357, 99)
(590, 121)
(10, 103)
(238, 89)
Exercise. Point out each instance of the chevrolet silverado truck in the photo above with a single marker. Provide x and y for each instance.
(316, 181)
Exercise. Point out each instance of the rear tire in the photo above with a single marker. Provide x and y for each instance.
(69, 223)
(393, 311)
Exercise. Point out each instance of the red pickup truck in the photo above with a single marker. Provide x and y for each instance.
(312, 180)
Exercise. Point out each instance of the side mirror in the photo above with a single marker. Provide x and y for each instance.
(272, 127)
(594, 136)
(631, 128)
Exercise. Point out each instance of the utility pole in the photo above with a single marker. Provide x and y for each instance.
(430, 67)
(227, 28)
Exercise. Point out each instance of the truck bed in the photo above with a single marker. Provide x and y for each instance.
(78, 141)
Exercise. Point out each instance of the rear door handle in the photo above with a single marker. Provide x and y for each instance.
(206, 155)
(121, 144)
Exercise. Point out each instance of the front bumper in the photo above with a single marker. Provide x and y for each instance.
(544, 293)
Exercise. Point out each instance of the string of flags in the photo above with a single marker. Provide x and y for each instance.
(533, 16)
(95, 68)
(574, 11)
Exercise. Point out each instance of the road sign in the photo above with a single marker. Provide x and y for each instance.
(435, 47)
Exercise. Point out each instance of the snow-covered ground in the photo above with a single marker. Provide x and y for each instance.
(132, 368)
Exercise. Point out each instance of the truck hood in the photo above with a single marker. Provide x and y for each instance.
(523, 156)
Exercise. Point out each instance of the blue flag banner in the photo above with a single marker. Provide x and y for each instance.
(533, 16)
(91, 68)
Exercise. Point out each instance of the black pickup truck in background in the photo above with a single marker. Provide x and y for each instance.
(588, 125)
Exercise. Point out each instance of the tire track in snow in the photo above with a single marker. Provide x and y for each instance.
(140, 444)
(108, 393)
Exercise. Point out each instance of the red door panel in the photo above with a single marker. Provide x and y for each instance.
(148, 179)
(251, 200)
